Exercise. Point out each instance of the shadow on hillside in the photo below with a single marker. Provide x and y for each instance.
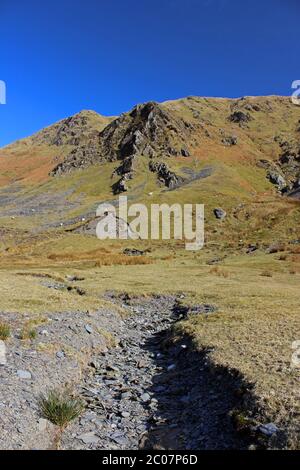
(194, 400)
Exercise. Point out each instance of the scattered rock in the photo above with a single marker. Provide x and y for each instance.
(74, 278)
(268, 429)
(145, 397)
(165, 175)
(277, 179)
(133, 252)
(60, 354)
(3, 359)
(89, 438)
(185, 152)
(240, 117)
(251, 248)
(220, 213)
(42, 424)
(230, 140)
(89, 329)
(24, 374)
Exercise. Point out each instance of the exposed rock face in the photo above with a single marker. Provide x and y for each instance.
(277, 179)
(276, 175)
(155, 131)
(230, 140)
(289, 162)
(165, 175)
(148, 130)
(121, 185)
(75, 130)
(240, 117)
(285, 172)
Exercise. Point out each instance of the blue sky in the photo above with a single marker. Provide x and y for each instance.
(60, 56)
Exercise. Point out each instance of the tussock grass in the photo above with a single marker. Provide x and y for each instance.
(28, 333)
(60, 407)
(4, 331)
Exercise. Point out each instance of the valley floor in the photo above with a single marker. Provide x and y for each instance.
(234, 376)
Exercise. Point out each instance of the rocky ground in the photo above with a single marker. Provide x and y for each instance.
(56, 357)
(152, 393)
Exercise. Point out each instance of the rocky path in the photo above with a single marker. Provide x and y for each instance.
(150, 392)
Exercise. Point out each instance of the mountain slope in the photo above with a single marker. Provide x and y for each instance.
(261, 130)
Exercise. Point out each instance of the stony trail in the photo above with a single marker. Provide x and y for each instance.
(150, 392)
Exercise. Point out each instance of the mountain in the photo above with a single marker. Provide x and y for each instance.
(258, 131)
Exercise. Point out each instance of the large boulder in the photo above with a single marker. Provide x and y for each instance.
(220, 213)
(240, 117)
(277, 179)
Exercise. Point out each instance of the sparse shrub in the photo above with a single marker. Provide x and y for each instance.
(28, 333)
(276, 247)
(293, 271)
(4, 331)
(219, 272)
(295, 250)
(282, 257)
(60, 407)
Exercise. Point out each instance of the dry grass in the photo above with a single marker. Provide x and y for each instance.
(216, 270)
(4, 331)
(266, 273)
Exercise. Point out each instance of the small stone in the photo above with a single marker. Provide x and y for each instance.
(42, 424)
(94, 364)
(220, 213)
(145, 397)
(142, 364)
(171, 367)
(268, 429)
(45, 332)
(89, 438)
(24, 374)
(89, 329)
(125, 414)
(119, 439)
(3, 360)
(60, 354)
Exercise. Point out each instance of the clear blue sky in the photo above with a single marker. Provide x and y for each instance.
(60, 56)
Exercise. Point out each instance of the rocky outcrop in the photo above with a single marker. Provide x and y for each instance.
(165, 175)
(77, 130)
(220, 213)
(230, 140)
(148, 130)
(240, 117)
(121, 185)
(277, 179)
(289, 162)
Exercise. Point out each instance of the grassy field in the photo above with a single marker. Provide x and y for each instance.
(256, 297)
